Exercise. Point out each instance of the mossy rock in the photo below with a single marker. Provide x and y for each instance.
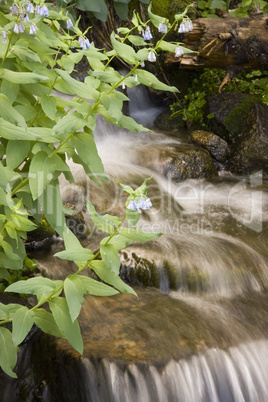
(163, 122)
(42, 232)
(230, 111)
(168, 8)
(137, 270)
(250, 154)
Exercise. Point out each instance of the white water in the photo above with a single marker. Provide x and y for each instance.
(237, 375)
(220, 236)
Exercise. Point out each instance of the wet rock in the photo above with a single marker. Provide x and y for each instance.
(75, 220)
(179, 162)
(216, 146)
(41, 237)
(251, 151)
(230, 111)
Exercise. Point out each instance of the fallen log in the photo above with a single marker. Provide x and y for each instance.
(223, 42)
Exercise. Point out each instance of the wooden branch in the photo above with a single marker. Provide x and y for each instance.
(221, 42)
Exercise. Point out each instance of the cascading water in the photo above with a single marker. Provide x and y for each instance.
(198, 332)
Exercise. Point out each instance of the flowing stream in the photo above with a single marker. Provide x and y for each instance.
(198, 331)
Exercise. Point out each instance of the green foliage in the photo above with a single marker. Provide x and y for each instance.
(40, 131)
(98, 8)
(241, 8)
(193, 106)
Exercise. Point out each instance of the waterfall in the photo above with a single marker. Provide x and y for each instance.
(198, 332)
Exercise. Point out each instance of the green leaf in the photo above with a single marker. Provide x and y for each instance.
(49, 106)
(110, 257)
(67, 63)
(218, 4)
(95, 59)
(70, 330)
(10, 264)
(109, 75)
(22, 323)
(102, 14)
(21, 78)
(109, 277)
(70, 123)
(150, 80)
(142, 54)
(155, 19)
(112, 104)
(8, 352)
(123, 30)
(25, 54)
(10, 114)
(51, 203)
(126, 188)
(137, 40)
(130, 124)
(34, 286)
(16, 152)
(133, 217)
(45, 321)
(82, 254)
(43, 134)
(95, 288)
(125, 52)
(77, 87)
(27, 111)
(87, 151)
(137, 234)
(121, 9)
(74, 292)
(85, 5)
(9, 251)
(41, 171)
(12, 132)
(105, 223)
(117, 241)
(3, 308)
(10, 90)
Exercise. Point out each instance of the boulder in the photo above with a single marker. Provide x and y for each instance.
(229, 110)
(250, 153)
(216, 146)
(178, 161)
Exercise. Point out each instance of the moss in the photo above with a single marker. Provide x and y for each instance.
(168, 8)
(43, 230)
(238, 115)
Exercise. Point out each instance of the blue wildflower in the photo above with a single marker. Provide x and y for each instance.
(29, 8)
(4, 34)
(151, 56)
(178, 51)
(147, 33)
(139, 204)
(33, 29)
(19, 28)
(69, 24)
(162, 27)
(14, 10)
(84, 43)
(43, 10)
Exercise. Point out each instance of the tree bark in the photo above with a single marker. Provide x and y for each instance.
(223, 42)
